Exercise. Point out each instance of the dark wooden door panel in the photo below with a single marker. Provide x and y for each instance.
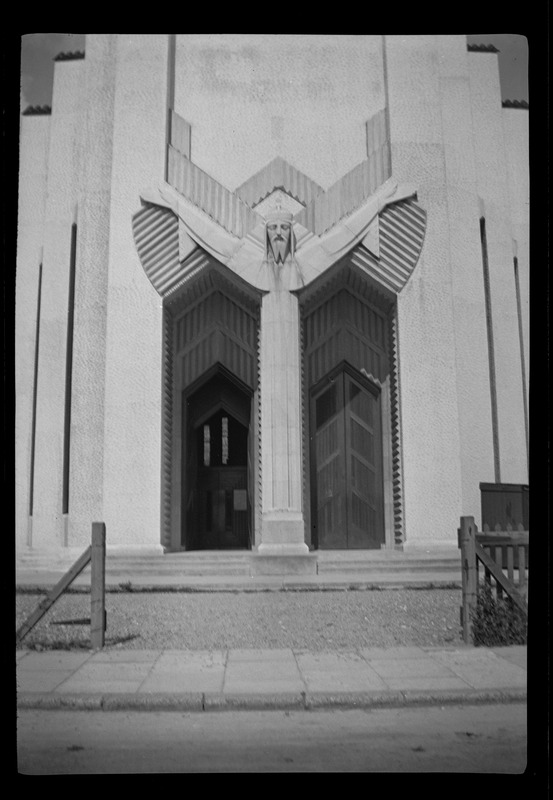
(348, 466)
(362, 421)
(329, 447)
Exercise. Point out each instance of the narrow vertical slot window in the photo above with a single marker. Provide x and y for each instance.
(69, 370)
(207, 446)
(522, 360)
(35, 381)
(170, 100)
(224, 435)
(491, 349)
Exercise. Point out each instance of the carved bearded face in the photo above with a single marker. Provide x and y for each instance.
(279, 233)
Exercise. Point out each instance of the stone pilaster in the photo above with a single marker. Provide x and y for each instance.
(282, 525)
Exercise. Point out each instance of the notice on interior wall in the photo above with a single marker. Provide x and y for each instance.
(240, 500)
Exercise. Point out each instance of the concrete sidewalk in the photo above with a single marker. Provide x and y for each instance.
(113, 680)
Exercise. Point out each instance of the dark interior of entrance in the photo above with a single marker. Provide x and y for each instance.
(217, 510)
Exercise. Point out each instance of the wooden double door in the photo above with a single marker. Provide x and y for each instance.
(346, 464)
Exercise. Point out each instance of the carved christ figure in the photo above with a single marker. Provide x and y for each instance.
(280, 237)
(299, 255)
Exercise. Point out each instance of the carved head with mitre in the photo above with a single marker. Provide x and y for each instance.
(280, 236)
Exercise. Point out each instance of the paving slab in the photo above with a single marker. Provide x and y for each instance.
(188, 672)
(52, 660)
(374, 653)
(421, 683)
(106, 677)
(263, 679)
(483, 669)
(411, 668)
(20, 654)
(338, 672)
(124, 656)
(46, 671)
(38, 681)
(516, 654)
(261, 654)
(257, 672)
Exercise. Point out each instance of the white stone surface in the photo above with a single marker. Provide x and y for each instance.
(251, 97)
(516, 137)
(34, 146)
(61, 204)
(132, 434)
(493, 189)
(89, 341)
(467, 286)
(429, 403)
(281, 439)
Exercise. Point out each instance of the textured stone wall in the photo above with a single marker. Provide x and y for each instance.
(132, 433)
(465, 261)
(493, 189)
(34, 145)
(515, 128)
(250, 98)
(60, 213)
(428, 378)
(89, 341)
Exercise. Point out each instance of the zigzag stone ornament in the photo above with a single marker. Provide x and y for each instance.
(302, 257)
(266, 246)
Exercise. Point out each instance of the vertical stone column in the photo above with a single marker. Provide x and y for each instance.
(430, 438)
(89, 343)
(282, 522)
(492, 180)
(48, 524)
(33, 181)
(134, 328)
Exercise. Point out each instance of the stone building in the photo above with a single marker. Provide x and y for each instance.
(272, 294)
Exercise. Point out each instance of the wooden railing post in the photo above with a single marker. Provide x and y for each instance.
(466, 538)
(54, 595)
(98, 586)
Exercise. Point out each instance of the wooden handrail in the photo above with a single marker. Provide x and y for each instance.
(95, 554)
(502, 580)
(472, 543)
(60, 587)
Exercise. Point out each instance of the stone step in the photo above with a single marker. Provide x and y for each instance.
(370, 566)
(183, 568)
(324, 567)
(182, 571)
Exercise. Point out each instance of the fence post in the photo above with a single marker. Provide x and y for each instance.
(98, 586)
(466, 537)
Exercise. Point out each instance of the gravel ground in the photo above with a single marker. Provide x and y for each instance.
(322, 620)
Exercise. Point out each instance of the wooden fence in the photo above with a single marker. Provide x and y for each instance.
(504, 557)
(95, 555)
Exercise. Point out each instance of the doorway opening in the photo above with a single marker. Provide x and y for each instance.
(347, 505)
(216, 465)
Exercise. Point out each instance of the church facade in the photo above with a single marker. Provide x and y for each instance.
(271, 295)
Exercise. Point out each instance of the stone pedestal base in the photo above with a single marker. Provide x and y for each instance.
(283, 550)
(282, 533)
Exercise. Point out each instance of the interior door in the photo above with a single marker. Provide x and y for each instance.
(220, 517)
(222, 521)
(347, 470)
